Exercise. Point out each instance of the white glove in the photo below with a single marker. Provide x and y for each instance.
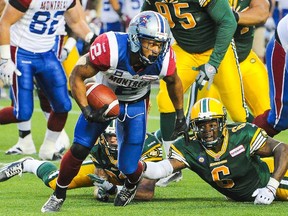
(64, 54)
(7, 69)
(270, 24)
(267, 194)
(206, 73)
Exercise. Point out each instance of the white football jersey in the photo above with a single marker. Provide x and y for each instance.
(37, 29)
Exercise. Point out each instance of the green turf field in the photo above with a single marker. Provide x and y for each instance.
(25, 195)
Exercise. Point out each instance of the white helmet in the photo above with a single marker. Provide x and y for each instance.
(152, 26)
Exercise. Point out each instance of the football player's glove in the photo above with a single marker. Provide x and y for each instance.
(180, 129)
(92, 115)
(206, 73)
(267, 194)
(7, 69)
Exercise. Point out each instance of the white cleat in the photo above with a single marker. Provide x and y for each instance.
(175, 177)
(63, 142)
(52, 205)
(49, 152)
(23, 146)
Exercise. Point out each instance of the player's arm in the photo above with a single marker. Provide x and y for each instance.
(82, 70)
(162, 169)
(10, 16)
(75, 18)
(224, 19)
(279, 151)
(2, 5)
(257, 13)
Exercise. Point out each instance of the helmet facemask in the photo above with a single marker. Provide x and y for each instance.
(210, 131)
(208, 121)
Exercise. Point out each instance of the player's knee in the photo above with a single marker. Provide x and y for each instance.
(63, 107)
(78, 151)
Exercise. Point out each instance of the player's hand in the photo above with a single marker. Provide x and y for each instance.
(263, 196)
(92, 115)
(180, 129)
(64, 54)
(206, 73)
(7, 69)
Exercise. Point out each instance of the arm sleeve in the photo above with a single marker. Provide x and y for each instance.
(221, 13)
(157, 170)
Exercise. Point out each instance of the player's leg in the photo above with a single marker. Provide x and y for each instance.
(229, 84)
(256, 84)
(145, 190)
(184, 64)
(131, 133)
(52, 81)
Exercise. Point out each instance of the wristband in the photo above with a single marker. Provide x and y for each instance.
(273, 183)
(70, 43)
(180, 113)
(236, 15)
(88, 37)
(5, 51)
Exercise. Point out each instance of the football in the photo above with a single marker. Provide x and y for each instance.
(98, 95)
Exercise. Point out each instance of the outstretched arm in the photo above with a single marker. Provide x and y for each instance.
(162, 169)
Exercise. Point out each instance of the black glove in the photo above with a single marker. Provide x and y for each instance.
(92, 115)
(180, 128)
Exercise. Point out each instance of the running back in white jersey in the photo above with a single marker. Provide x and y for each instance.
(37, 29)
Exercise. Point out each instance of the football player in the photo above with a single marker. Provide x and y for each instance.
(203, 30)
(227, 156)
(276, 59)
(128, 63)
(24, 60)
(101, 170)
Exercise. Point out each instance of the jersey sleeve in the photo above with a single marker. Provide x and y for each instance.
(175, 153)
(21, 5)
(99, 53)
(169, 63)
(258, 140)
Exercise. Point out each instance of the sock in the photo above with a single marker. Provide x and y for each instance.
(134, 178)
(167, 123)
(51, 135)
(44, 171)
(31, 166)
(7, 116)
(166, 145)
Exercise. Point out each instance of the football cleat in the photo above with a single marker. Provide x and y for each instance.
(48, 151)
(125, 196)
(175, 177)
(53, 204)
(13, 169)
(23, 146)
(63, 142)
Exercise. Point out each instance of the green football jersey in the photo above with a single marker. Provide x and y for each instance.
(244, 34)
(198, 25)
(107, 160)
(235, 170)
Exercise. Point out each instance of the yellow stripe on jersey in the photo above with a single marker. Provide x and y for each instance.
(258, 140)
(223, 148)
(176, 154)
(203, 3)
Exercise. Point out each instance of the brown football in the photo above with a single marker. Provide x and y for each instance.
(98, 95)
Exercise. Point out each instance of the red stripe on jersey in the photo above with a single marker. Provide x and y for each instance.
(99, 53)
(172, 63)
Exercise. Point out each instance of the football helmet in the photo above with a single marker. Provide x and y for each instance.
(152, 26)
(208, 115)
(105, 138)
